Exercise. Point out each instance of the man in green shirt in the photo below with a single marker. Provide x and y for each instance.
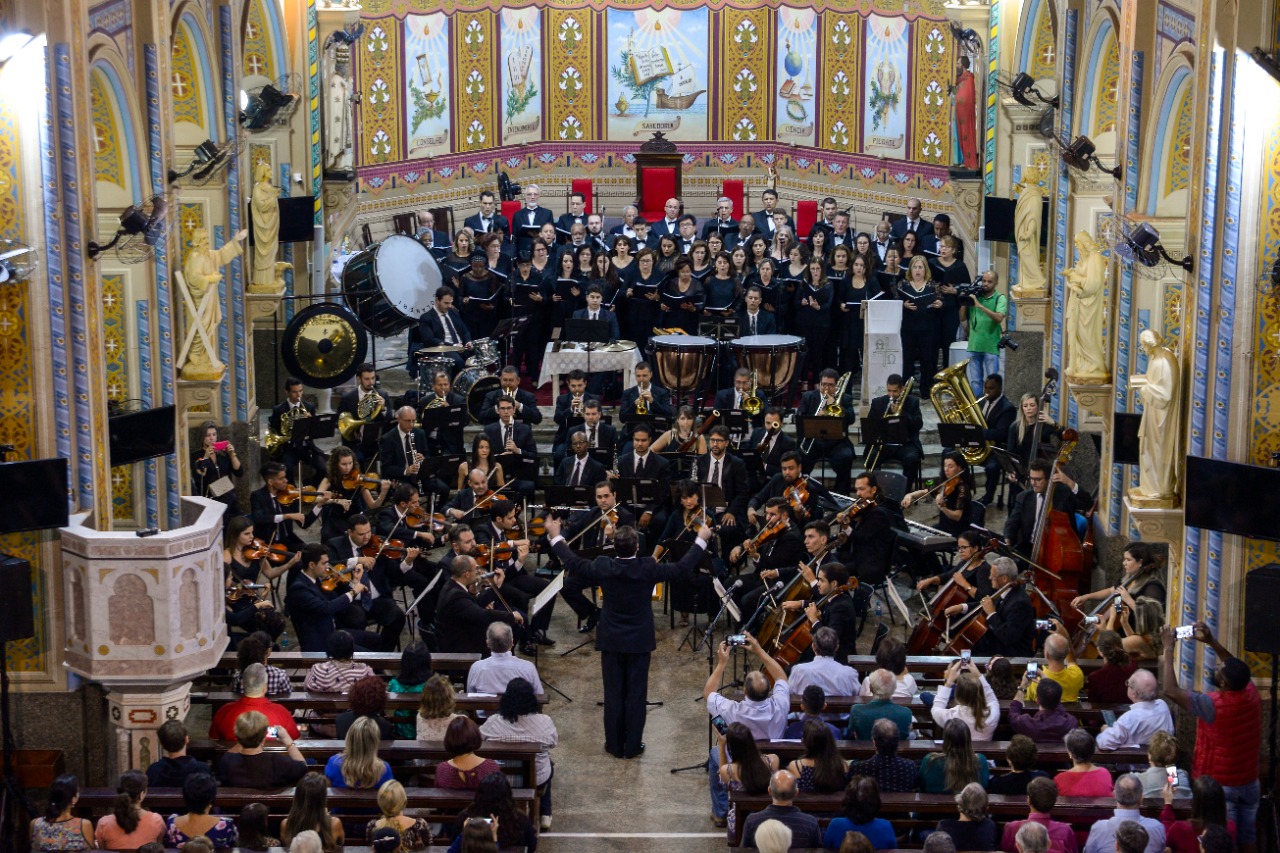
(982, 322)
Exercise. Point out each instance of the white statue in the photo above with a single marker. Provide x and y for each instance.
(1159, 438)
(1027, 219)
(338, 138)
(201, 272)
(266, 275)
(1086, 361)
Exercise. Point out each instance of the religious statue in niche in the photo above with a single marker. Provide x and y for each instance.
(131, 617)
(964, 135)
(1086, 282)
(1026, 228)
(267, 274)
(201, 272)
(1160, 390)
(339, 137)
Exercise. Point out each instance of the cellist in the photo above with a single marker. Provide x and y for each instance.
(972, 580)
(817, 538)
(837, 611)
(775, 559)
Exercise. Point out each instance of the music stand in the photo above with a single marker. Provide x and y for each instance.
(637, 491)
(720, 330)
(508, 329)
(734, 419)
(885, 430)
(571, 496)
(439, 467)
(962, 436)
(412, 610)
(540, 601)
(821, 427)
(584, 331)
(309, 429)
(603, 455)
(517, 466)
(443, 417)
(1009, 464)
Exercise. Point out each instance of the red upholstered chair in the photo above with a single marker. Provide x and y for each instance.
(657, 184)
(734, 191)
(509, 210)
(806, 217)
(584, 186)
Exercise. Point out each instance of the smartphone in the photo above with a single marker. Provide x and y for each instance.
(1119, 606)
(721, 726)
(221, 445)
(273, 732)
(1044, 624)
(966, 656)
(1185, 632)
(1172, 774)
(1089, 620)
(1033, 670)
(737, 640)
(1109, 717)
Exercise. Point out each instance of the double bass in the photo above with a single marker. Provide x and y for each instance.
(1056, 550)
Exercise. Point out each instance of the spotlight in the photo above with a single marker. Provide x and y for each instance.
(1080, 153)
(1022, 84)
(1267, 61)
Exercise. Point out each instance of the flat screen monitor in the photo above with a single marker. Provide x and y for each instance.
(141, 435)
(33, 495)
(999, 224)
(1223, 496)
(297, 219)
(1124, 434)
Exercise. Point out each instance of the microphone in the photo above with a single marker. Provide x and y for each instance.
(736, 584)
(990, 533)
(777, 587)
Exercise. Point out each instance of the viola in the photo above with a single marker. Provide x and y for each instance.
(277, 553)
(290, 496)
(377, 547)
(244, 589)
(335, 575)
(501, 552)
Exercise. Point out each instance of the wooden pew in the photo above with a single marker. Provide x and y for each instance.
(1088, 713)
(935, 666)
(95, 802)
(519, 758)
(329, 705)
(453, 663)
(1078, 811)
(1048, 755)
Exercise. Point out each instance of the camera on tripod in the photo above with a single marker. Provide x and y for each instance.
(1007, 342)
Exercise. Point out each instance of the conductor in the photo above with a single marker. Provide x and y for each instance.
(625, 636)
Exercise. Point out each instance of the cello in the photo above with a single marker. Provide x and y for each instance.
(932, 628)
(795, 639)
(1056, 550)
(796, 589)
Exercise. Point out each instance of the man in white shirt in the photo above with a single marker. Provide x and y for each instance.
(834, 677)
(492, 674)
(882, 238)
(762, 709)
(1128, 792)
(1146, 716)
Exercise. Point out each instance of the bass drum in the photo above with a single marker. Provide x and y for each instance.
(391, 284)
(474, 384)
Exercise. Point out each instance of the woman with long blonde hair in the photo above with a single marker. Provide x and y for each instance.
(358, 765)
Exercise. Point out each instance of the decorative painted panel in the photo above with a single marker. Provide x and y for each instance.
(1178, 159)
(106, 133)
(744, 80)
(1105, 96)
(659, 73)
(476, 87)
(888, 65)
(841, 74)
(257, 57)
(933, 111)
(12, 214)
(115, 340)
(1043, 61)
(797, 89)
(521, 73)
(569, 40)
(379, 87)
(185, 81)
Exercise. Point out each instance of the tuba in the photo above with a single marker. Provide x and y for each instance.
(367, 411)
(953, 397)
(752, 404)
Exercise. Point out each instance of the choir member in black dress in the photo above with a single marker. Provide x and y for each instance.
(481, 296)
(948, 271)
(856, 290)
(566, 290)
(642, 285)
(682, 298)
(813, 300)
(921, 323)
(530, 297)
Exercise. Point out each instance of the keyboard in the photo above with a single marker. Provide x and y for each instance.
(925, 539)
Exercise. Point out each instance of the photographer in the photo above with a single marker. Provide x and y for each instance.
(982, 318)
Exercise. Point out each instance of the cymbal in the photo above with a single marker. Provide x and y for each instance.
(618, 346)
(441, 348)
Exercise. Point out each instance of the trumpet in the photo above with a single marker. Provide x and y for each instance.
(576, 405)
(642, 402)
(752, 404)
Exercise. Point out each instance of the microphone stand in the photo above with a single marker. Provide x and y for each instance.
(708, 639)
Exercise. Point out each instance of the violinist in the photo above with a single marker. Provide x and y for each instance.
(212, 468)
(816, 554)
(827, 608)
(312, 609)
(247, 607)
(503, 528)
(352, 492)
(1011, 618)
(776, 557)
(464, 501)
(801, 492)
(406, 521)
(955, 499)
(593, 530)
(463, 616)
(973, 577)
(872, 539)
(275, 514)
(682, 526)
(461, 541)
(377, 604)
(1067, 496)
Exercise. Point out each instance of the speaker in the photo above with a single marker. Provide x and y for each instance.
(17, 621)
(1261, 592)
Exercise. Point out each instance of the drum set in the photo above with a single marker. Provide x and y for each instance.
(479, 374)
(683, 362)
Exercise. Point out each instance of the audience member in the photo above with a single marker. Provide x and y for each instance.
(1021, 758)
(773, 836)
(307, 842)
(834, 677)
(199, 793)
(358, 765)
(893, 773)
(520, 719)
(340, 670)
(415, 833)
(1208, 808)
(892, 655)
(1051, 722)
(415, 669)
(1128, 794)
(386, 840)
(255, 690)
(863, 716)
(463, 769)
(248, 765)
(435, 709)
(856, 842)
(819, 769)
(1084, 779)
(59, 829)
(860, 812)
(812, 703)
(310, 812)
(494, 800)
(976, 706)
(199, 844)
(1162, 753)
(492, 674)
(1042, 796)
(255, 830)
(782, 794)
(479, 835)
(1030, 837)
(367, 700)
(1000, 677)
(129, 825)
(1109, 682)
(1059, 665)
(172, 769)
(972, 830)
(1215, 839)
(1131, 837)
(1228, 729)
(742, 766)
(256, 648)
(939, 842)
(1146, 716)
(948, 771)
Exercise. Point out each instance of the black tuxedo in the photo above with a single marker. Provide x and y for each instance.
(529, 414)
(766, 323)
(1011, 630)
(606, 435)
(725, 227)
(872, 543)
(777, 486)
(564, 405)
(659, 405)
(781, 444)
(840, 614)
(307, 453)
(593, 538)
(763, 218)
(263, 509)
(525, 228)
(908, 454)
(733, 479)
(520, 586)
(1021, 524)
(443, 442)
(462, 618)
(923, 229)
(654, 467)
(393, 457)
(662, 228)
(312, 611)
(603, 314)
(381, 610)
(350, 403)
(439, 239)
(431, 329)
(592, 472)
(1000, 416)
(522, 434)
(725, 400)
(566, 221)
(839, 454)
(497, 223)
(782, 554)
(625, 636)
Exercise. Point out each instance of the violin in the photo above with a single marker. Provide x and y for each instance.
(335, 575)
(356, 480)
(291, 495)
(797, 497)
(244, 589)
(392, 548)
(277, 553)
(417, 517)
(767, 534)
(501, 552)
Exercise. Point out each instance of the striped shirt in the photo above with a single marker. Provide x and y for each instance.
(332, 676)
(532, 728)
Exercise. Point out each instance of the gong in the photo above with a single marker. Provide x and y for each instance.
(323, 345)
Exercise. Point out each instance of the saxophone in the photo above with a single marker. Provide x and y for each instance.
(367, 411)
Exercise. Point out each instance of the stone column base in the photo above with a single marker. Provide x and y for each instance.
(1096, 399)
(1157, 519)
(138, 716)
(1033, 310)
(201, 398)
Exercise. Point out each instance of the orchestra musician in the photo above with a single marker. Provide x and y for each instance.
(643, 464)
(570, 404)
(1142, 575)
(1067, 496)
(248, 612)
(973, 577)
(402, 450)
(366, 387)
(999, 413)
(443, 326)
(312, 609)
(377, 603)
(483, 458)
(804, 493)
(908, 409)
(503, 528)
(688, 596)
(1022, 435)
(401, 521)
(593, 530)
(836, 612)
(464, 500)
(681, 433)
(595, 310)
(839, 453)
(770, 442)
(776, 559)
(720, 468)
(657, 398)
(955, 497)
(442, 442)
(872, 539)
(351, 492)
(579, 469)
(817, 537)
(292, 454)
(463, 617)
(752, 319)
(273, 521)
(526, 405)
(730, 399)
(599, 435)
(513, 438)
(1011, 620)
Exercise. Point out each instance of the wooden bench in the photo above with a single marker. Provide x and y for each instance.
(453, 663)
(935, 666)
(329, 705)
(1047, 754)
(1078, 811)
(443, 802)
(1088, 713)
(518, 758)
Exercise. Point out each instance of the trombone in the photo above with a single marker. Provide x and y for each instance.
(891, 411)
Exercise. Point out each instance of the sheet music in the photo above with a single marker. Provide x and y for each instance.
(547, 595)
(720, 591)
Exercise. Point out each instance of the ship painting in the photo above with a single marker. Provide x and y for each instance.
(682, 94)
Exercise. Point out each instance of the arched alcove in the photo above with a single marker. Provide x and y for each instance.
(1167, 150)
(196, 101)
(119, 143)
(1038, 40)
(264, 44)
(1098, 86)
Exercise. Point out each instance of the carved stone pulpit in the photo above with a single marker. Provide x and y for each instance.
(145, 615)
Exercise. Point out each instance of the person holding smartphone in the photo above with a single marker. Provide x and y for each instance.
(248, 765)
